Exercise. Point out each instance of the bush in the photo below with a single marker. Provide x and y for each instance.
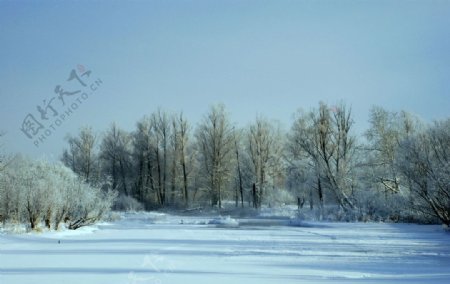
(127, 203)
(34, 192)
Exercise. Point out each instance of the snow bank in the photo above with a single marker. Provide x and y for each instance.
(13, 229)
(224, 222)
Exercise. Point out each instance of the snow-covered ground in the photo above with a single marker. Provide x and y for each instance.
(158, 248)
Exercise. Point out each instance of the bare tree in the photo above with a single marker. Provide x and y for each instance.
(240, 192)
(215, 139)
(385, 134)
(175, 153)
(323, 137)
(340, 170)
(263, 146)
(81, 156)
(180, 141)
(115, 152)
(143, 155)
(161, 132)
(304, 145)
(424, 161)
(151, 143)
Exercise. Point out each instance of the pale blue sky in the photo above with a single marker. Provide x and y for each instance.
(256, 57)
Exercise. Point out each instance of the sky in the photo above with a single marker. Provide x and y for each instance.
(266, 58)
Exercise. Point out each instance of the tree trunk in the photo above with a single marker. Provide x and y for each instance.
(48, 218)
(185, 186)
(255, 196)
(320, 191)
(241, 189)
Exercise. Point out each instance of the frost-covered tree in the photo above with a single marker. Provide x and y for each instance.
(64, 198)
(10, 197)
(424, 161)
(389, 195)
(264, 149)
(387, 130)
(81, 156)
(323, 137)
(215, 143)
(34, 185)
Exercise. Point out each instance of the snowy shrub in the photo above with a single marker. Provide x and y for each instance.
(127, 203)
(90, 207)
(37, 191)
(377, 205)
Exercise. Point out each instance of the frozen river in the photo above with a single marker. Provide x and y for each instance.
(157, 248)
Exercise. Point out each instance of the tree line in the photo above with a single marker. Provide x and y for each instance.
(397, 170)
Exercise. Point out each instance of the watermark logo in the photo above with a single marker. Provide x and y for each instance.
(51, 114)
(158, 265)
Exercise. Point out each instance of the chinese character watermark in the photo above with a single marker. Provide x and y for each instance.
(51, 114)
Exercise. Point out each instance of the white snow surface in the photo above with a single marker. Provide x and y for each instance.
(161, 248)
(224, 222)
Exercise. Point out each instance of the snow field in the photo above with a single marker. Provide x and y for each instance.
(159, 248)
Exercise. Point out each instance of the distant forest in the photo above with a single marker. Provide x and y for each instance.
(398, 171)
